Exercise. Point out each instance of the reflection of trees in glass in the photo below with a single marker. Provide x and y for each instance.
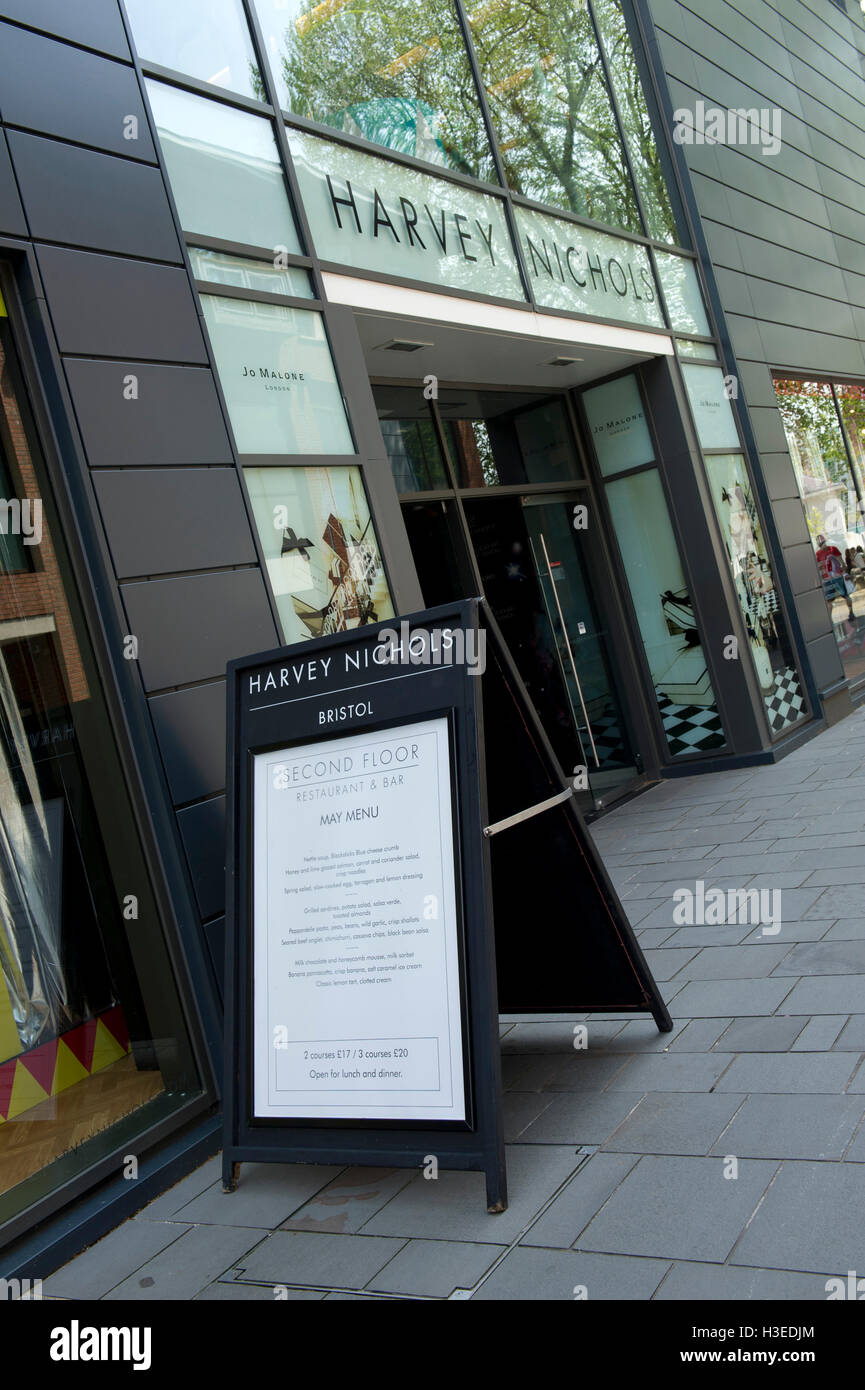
(639, 135)
(817, 450)
(392, 71)
(541, 67)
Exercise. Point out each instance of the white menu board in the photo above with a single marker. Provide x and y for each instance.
(356, 1007)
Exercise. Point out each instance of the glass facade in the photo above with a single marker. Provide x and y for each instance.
(392, 71)
(825, 427)
(544, 79)
(635, 121)
(652, 566)
(205, 39)
(545, 103)
(94, 1049)
(225, 171)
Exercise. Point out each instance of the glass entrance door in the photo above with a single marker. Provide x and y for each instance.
(536, 576)
(494, 502)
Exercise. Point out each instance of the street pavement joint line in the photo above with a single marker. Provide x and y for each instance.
(584, 1153)
(736, 1243)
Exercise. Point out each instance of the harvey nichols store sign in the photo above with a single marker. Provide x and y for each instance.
(375, 215)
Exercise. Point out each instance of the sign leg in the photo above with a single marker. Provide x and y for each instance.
(661, 1015)
(230, 1174)
(497, 1188)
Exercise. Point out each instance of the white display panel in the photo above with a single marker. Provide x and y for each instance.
(356, 994)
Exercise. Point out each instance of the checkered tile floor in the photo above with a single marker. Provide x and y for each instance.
(691, 728)
(786, 703)
(696, 728)
(609, 741)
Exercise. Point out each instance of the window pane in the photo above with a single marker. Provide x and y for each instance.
(207, 39)
(755, 588)
(637, 126)
(682, 292)
(278, 377)
(689, 349)
(392, 71)
(93, 1043)
(322, 554)
(831, 498)
(851, 403)
(224, 168)
(545, 83)
(494, 442)
(618, 425)
(668, 624)
(713, 414)
(414, 455)
(249, 274)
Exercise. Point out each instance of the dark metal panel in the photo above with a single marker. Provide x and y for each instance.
(790, 520)
(48, 86)
(190, 727)
(825, 661)
(189, 628)
(161, 521)
(175, 418)
(780, 478)
(95, 23)
(214, 935)
(202, 829)
(11, 213)
(113, 307)
(813, 614)
(82, 198)
(802, 568)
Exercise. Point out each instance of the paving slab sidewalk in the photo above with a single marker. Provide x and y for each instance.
(724, 1160)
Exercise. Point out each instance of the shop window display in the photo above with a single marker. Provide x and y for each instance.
(93, 1045)
(322, 554)
(824, 424)
(742, 531)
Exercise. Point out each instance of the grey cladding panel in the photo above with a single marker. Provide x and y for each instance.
(802, 567)
(161, 521)
(825, 662)
(189, 628)
(190, 726)
(82, 198)
(203, 831)
(780, 478)
(94, 23)
(176, 418)
(813, 615)
(113, 307)
(59, 90)
(11, 212)
(790, 520)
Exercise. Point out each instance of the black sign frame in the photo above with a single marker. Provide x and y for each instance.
(403, 693)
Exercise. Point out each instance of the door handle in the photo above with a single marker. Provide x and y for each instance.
(568, 645)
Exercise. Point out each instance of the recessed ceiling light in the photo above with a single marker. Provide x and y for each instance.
(562, 361)
(402, 345)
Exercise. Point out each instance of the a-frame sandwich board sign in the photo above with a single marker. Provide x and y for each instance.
(361, 1011)
(563, 941)
(371, 828)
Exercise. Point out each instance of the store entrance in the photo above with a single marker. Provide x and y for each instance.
(495, 502)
